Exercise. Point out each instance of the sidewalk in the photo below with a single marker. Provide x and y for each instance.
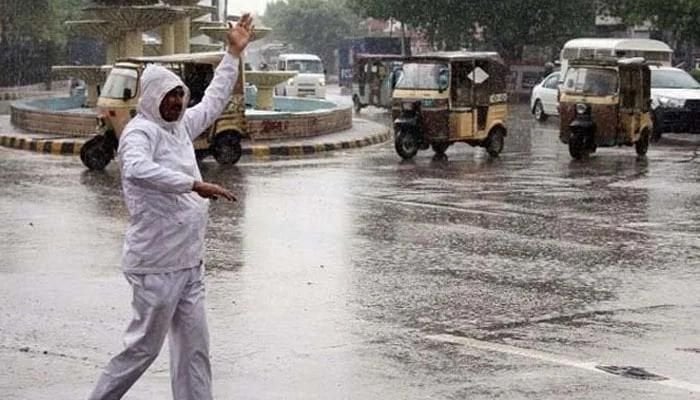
(363, 133)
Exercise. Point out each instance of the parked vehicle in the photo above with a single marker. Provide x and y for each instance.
(349, 47)
(675, 102)
(544, 98)
(373, 80)
(605, 103)
(310, 80)
(447, 97)
(119, 96)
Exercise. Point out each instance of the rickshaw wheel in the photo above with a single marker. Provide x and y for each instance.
(494, 144)
(440, 147)
(642, 145)
(356, 104)
(226, 148)
(539, 112)
(406, 144)
(96, 154)
(577, 147)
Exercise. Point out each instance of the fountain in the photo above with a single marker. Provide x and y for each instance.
(93, 76)
(264, 81)
(270, 117)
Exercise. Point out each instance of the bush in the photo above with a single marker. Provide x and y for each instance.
(695, 74)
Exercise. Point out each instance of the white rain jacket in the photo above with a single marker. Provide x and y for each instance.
(167, 220)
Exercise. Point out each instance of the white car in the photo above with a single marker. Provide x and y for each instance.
(543, 100)
(675, 101)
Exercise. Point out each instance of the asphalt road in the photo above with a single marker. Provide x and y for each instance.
(358, 276)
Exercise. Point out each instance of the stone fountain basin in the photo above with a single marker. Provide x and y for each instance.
(292, 117)
(268, 78)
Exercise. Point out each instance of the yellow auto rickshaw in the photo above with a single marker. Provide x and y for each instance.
(604, 103)
(373, 79)
(447, 97)
(119, 95)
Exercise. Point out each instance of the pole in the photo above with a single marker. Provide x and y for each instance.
(216, 16)
(403, 39)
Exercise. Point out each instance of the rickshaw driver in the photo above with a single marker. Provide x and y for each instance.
(163, 252)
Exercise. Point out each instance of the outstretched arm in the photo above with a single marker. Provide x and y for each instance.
(201, 116)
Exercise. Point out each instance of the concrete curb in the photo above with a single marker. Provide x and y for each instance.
(258, 151)
(60, 145)
(57, 145)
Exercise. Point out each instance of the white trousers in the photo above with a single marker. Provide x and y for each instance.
(163, 303)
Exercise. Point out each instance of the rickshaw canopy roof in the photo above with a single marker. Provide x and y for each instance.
(212, 58)
(619, 43)
(453, 56)
(610, 62)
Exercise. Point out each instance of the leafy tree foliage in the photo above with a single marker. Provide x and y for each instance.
(42, 20)
(679, 19)
(504, 25)
(313, 26)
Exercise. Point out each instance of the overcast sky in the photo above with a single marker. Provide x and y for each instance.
(254, 6)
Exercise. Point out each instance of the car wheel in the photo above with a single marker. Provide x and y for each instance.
(495, 142)
(440, 147)
(96, 153)
(578, 148)
(538, 111)
(226, 148)
(406, 144)
(642, 145)
(356, 104)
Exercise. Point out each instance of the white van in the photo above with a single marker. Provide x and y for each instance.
(653, 51)
(310, 80)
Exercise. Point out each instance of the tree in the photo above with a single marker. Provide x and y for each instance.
(678, 19)
(32, 38)
(313, 26)
(504, 25)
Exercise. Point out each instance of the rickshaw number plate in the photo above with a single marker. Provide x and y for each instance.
(428, 102)
(478, 75)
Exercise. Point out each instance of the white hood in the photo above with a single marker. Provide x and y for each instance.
(680, 94)
(156, 82)
(308, 78)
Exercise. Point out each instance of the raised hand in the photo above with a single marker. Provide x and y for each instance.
(240, 34)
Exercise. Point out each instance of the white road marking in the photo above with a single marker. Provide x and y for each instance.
(547, 357)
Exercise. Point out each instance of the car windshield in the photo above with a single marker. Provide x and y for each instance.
(672, 79)
(591, 81)
(305, 66)
(420, 76)
(118, 80)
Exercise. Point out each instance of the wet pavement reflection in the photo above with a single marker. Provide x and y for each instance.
(358, 276)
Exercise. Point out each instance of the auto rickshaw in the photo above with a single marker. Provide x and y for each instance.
(447, 97)
(119, 97)
(604, 103)
(373, 79)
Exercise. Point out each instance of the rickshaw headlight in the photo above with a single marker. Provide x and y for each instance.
(670, 102)
(582, 109)
(290, 82)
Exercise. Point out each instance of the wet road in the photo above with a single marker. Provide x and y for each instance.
(356, 276)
